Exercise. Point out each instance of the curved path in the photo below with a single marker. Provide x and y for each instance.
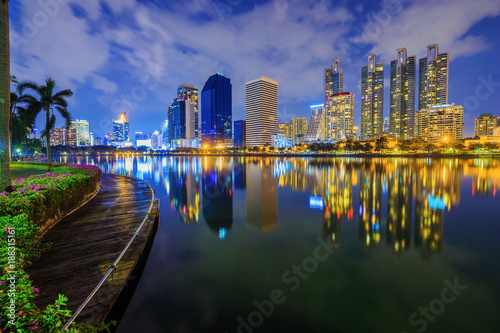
(87, 242)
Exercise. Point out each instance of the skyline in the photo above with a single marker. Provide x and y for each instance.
(102, 58)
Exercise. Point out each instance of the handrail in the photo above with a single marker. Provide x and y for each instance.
(112, 267)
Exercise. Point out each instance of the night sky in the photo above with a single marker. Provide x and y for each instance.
(131, 55)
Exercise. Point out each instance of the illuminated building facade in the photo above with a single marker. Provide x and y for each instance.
(284, 129)
(333, 80)
(82, 132)
(121, 129)
(71, 137)
(57, 136)
(240, 133)
(316, 124)
(402, 99)
(298, 129)
(216, 110)
(441, 123)
(340, 117)
(181, 120)
(485, 124)
(433, 78)
(372, 99)
(261, 109)
(189, 93)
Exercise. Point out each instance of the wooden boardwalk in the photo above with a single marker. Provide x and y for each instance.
(87, 242)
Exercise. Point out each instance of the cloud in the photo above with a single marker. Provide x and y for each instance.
(421, 23)
(102, 83)
(61, 47)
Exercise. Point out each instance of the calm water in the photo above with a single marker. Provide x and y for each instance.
(319, 245)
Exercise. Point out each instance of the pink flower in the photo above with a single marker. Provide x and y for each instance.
(8, 229)
(33, 325)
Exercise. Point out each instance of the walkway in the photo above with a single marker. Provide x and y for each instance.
(86, 242)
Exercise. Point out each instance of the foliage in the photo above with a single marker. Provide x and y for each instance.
(381, 143)
(20, 242)
(33, 194)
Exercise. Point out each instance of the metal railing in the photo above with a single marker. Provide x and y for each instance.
(112, 267)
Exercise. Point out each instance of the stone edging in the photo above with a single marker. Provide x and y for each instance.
(55, 213)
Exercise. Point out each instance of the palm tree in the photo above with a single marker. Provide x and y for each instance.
(21, 118)
(48, 101)
(5, 181)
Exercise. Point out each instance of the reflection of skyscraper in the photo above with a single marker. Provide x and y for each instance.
(370, 195)
(185, 190)
(262, 195)
(399, 208)
(240, 175)
(217, 191)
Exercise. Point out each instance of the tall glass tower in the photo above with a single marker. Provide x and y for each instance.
(372, 99)
(402, 100)
(189, 93)
(216, 110)
(433, 78)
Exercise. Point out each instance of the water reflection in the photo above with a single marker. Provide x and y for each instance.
(397, 202)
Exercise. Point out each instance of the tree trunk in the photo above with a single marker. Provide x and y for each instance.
(5, 180)
(47, 134)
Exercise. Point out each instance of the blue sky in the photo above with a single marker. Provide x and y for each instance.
(131, 55)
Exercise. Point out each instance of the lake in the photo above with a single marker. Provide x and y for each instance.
(276, 244)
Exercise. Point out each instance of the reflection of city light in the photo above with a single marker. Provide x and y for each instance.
(436, 203)
(315, 202)
(222, 233)
(360, 210)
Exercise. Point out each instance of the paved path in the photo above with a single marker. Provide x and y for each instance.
(86, 242)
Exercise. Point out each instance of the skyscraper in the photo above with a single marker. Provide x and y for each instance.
(441, 124)
(340, 116)
(216, 110)
(334, 80)
(284, 129)
(189, 93)
(57, 136)
(433, 78)
(261, 108)
(402, 99)
(240, 133)
(121, 129)
(181, 120)
(82, 132)
(485, 124)
(316, 124)
(298, 129)
(372, 99)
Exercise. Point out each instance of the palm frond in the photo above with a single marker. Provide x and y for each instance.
(65, 114)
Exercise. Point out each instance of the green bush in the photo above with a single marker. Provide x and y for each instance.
(20, 243)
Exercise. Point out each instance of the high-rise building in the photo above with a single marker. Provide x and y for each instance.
(121, 128)
(100, 141)
(372, 99)
(340, 117)
(355, 133)
(298, 129)
(181, 120)
(216, 110)
(142, 140)
(57, 136)
(402, 99)
(334, 80)
(284, 129)
(316, 124)
(82, 132)
(163, 137)
(70, 138)
(485, 124)
(261, 108)
(433, 78)
(240, 133)
(189, 93)
(91, 139)
(441, 123)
